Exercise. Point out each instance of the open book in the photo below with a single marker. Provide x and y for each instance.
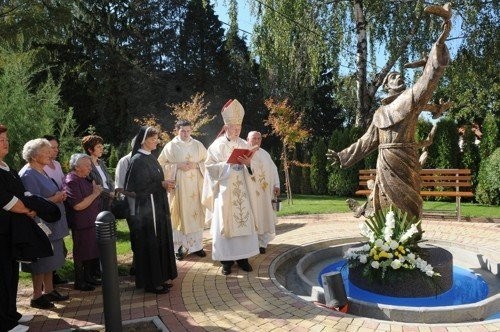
(233, 158)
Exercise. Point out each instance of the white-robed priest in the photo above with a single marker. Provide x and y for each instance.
(229, 195)
(183, 160)
(265, 174)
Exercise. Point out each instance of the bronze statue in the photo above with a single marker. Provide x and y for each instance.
(392, 130)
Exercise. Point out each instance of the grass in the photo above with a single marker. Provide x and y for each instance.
(302, 204)
(310, 204)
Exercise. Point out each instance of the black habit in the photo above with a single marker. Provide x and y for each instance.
(155, 260)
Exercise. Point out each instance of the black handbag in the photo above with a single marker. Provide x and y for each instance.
(120, 208)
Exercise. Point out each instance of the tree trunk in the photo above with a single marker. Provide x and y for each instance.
(365, 92)
(286, 168)
(361, 63)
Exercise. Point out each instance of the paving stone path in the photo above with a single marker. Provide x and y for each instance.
(202, 299)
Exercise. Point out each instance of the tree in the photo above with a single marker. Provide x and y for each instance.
(287, 126)
(29, 110)
(193, 111)
(201, 57)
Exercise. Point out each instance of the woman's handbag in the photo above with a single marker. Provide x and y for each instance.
(120, 207)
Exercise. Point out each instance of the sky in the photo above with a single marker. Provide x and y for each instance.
(245, 20)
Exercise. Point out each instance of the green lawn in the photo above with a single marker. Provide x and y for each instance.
(309, 204)
(302, 204)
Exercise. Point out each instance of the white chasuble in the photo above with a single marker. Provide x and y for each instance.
(186, 211)
(229, 195)
(265, 174)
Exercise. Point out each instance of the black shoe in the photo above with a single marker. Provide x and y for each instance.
(180, 254)
(262, 250)
(226, 270)
(157, 290)
(55, 296)
(200, 253)
(57, 280)
(41, 303)
(93, 281)
(84, 287)
(244, 265)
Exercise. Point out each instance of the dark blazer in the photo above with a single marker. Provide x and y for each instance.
(28, 241)
(95, 176)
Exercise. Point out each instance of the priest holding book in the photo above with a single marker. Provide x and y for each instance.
(229, 194)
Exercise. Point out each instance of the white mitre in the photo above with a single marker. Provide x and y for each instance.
(233, 112)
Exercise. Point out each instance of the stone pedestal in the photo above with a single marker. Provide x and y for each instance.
(413, 283)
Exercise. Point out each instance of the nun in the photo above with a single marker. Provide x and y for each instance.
(155, 260)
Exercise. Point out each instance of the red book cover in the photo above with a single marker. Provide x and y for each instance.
(233, 158)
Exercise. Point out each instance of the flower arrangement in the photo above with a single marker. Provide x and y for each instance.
(392, 246)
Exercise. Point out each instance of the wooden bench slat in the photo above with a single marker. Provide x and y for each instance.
(445, 171)
(427, 171)
(447, 193)
(444, 184)
(446, 177)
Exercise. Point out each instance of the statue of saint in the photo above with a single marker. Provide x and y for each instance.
(392, 131)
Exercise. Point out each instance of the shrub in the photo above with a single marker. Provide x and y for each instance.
(319, 163)
(343, 181)
(491, 136)
(445, 152)
(470, 154)
(488, 188)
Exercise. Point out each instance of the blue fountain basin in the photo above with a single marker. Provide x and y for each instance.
(468, 287)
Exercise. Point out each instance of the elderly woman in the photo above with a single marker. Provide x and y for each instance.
(12, 211)
(154, 252)
(82, 198)
(55, 172)
(37, 154)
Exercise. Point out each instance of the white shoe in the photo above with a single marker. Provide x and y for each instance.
(20, 328)
(25, 319)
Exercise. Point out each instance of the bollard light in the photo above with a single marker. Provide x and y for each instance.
(106, 239)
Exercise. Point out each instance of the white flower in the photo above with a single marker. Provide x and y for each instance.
(389, 255)
(396, 264)
(375, 264)
(385, 247)
(389, 219)
(411, 257)
(363, 259)
(389, 226)
(393, 244)
(379, 243)
(409, 233)
(429, 273)
(366, 247)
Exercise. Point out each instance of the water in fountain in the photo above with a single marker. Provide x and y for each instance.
(468, 287)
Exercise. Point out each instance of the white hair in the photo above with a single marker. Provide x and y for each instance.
(31, 148)
(75, 159)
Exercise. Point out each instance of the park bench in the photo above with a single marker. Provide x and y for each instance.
(435, 183)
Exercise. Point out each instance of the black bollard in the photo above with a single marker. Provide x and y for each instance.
(106, 239)
(335, 294)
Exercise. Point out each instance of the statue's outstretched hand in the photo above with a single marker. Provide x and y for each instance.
(333, 157)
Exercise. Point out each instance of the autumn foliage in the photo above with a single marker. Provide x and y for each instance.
(286, 123)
